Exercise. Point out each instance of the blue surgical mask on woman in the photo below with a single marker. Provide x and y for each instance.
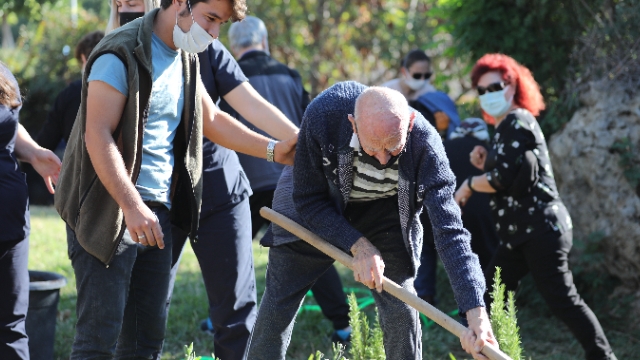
(494, 103)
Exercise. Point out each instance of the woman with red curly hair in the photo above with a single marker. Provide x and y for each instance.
(533, 224)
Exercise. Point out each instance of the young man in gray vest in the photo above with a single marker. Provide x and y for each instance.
(133, 168)
(360, 182)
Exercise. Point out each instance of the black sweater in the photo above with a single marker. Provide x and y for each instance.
(61, 118)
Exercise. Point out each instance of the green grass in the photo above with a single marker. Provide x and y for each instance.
(543, 336)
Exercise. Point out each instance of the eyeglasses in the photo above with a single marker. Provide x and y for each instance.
(419, 76)
(497, 86)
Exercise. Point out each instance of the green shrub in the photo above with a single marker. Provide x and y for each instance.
(504, 321)
(190, 354)
(338, 353)
(366, 341)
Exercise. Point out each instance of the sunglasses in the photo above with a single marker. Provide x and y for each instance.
(497, 86)
(419, 76)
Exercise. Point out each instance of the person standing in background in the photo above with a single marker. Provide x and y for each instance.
(282, 87)
(16, 144)
(61, 118)
(476, 215)
(415, 84)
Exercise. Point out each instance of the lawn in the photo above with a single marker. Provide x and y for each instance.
(543, 336)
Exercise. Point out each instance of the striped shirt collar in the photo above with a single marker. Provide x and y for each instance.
(355, 143)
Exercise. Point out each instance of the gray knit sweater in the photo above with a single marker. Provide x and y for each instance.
(315, 192)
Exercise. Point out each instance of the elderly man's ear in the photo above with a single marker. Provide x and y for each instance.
(412, 118)
(352, 120)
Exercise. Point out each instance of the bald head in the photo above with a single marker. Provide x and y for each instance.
(381, 120)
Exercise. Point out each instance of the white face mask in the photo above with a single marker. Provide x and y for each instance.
(193, 41)
(414, 84)
(494, 103)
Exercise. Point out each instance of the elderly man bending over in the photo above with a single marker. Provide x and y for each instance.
(361, 181)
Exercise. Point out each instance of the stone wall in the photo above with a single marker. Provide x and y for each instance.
(591, 180)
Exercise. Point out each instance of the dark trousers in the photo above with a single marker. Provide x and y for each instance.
(121, 308)
(327, 290)
(476, 217)
(293, 268)
(14, 299)
(225, 256)
(332, 300)
(547, 260)
(256, 202)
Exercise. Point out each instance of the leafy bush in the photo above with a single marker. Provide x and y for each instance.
(338, 353)
(38, 60)
(366, 341)
(503, 321)
(190, 354)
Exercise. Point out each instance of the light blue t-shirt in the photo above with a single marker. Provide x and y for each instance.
(165, 111)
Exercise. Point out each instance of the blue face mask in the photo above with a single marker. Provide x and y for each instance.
(494, 103)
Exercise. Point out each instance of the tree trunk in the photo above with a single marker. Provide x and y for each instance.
(7, 36)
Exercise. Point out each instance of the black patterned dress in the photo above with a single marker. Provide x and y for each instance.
(526, 203)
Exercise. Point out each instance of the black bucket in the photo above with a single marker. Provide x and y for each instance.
(44, 293)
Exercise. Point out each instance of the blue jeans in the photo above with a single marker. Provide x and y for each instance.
(121, 308)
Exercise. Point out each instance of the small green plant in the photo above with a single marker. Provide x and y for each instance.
(504, 321)
(366, 341)
(338, 353)
(189, 353)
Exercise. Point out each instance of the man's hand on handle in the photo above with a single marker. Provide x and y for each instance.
(368, 267)
(478, 334)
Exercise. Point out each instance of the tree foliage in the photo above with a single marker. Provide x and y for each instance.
(540, 34)
(43, 60)
(329, 41)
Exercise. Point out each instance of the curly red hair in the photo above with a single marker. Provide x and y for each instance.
(527, 94)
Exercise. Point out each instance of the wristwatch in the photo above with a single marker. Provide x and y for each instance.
(270, 150)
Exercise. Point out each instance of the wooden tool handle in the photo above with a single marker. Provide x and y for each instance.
(440, 318)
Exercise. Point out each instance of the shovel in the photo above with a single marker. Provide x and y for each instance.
(389, 286)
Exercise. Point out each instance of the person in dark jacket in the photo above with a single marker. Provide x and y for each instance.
(282, 87)
(57, 127)
(360, 182)
(476, 216)
(533, 224)
(60, 119)
(16, 144)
